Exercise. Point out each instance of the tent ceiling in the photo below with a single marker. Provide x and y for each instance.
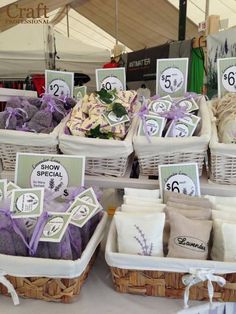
(84, 30)
(142, 23)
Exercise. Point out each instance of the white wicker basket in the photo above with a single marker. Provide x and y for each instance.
(222, 158)
(103, 157)
(12, 141)
(50, 279)
(174, 150)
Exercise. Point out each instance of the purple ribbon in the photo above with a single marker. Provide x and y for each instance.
(34, 241)
(25, 128)
(52, 106)
(63, 98)
(155, 97)
(14, 226)
(14, 112)
(190, 95)
(176, 112)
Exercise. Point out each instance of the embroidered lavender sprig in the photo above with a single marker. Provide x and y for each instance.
(146, 249)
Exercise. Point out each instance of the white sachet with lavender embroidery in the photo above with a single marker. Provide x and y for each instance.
(140, 234)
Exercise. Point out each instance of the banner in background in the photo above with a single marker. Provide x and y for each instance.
(141, 64)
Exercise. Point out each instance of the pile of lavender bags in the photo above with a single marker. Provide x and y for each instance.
(38, 115)
(17, 236)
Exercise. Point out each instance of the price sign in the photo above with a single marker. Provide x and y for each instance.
(172, 75)
(53, 172)
(226, 69)
(59, 83)
(110, 79)
(179, 178)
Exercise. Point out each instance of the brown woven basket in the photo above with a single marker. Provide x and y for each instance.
(169, 284)
(49, 289)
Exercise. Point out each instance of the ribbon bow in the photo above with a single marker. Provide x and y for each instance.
(14, 112)
(52, 106)
(198, 276)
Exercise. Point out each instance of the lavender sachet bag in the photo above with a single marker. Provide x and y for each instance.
(12, 235)
(48, 249)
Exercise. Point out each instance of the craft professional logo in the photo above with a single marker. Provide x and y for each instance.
(16, 14)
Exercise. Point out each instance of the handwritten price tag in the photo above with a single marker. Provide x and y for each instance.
(110, 79)
(179, 178)
(172, 76)
(226, 76)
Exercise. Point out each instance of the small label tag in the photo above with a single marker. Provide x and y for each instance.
(190, 104)
(113, 120)
(27, 203)
(181, 128)
(3, 189)
(167, 97)
(191, 119)
(30, 223)
(55, 227)
(160, 105)
(89, 197)
(154, 126)
(81, 212)
(10, 187)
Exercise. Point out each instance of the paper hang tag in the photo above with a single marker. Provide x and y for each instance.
(159, 106)
(113, 120)
(181, 128)
(3, 189)
(180, 178)
(30, 223)
(27, 203)
(154, 126)
(191, 119)
(55, 227)
(190, 104)
(10, 187)
(89, 196)
(81, 212)
(167, 97)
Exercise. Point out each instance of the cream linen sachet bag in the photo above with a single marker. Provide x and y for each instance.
(140, 234)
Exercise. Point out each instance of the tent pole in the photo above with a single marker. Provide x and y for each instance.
(67, 20)
(182, 19)
(116, 19)
(207, 9)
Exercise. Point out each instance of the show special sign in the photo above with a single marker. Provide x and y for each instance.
(53, 172)
(180, 178)
(172, 76)
(59, 83)
(110, 79)
(226, 76)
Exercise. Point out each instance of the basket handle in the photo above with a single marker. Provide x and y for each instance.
(10, 288)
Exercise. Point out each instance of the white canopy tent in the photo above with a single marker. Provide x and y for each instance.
(24, 51)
